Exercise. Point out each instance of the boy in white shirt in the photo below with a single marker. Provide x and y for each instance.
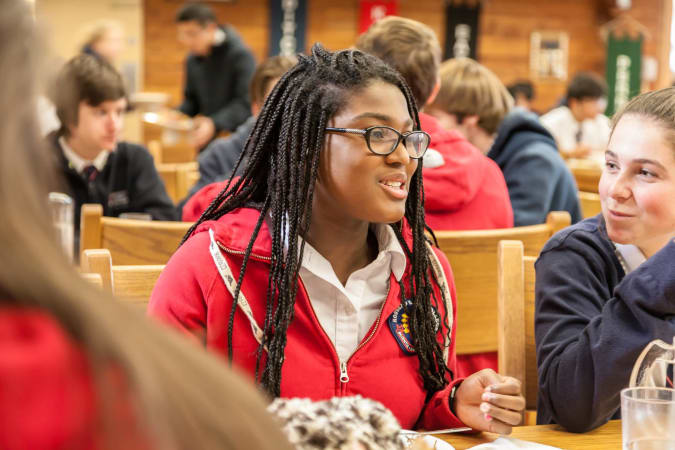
(579, 127)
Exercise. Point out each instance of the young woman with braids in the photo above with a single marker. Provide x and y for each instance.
(77, 369)
(321, 241)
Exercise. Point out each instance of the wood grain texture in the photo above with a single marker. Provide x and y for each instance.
(606, 437)
(134, 284)
(141, 241)
(473, 258)
(503, 46)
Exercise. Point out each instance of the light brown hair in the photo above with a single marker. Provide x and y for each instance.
(409, 47)
(658, 106)
(84, 78)
(468, 88)
(270, 69)
(95, 31)
(181, 397)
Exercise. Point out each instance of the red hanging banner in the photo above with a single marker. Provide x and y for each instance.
(374, 10)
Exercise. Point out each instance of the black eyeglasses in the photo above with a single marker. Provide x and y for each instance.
(383, 140)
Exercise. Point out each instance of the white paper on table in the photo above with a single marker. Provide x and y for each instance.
(507, 443)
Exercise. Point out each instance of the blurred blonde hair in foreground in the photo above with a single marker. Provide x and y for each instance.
(179, 396)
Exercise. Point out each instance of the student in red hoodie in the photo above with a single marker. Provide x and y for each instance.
(77, 369)
(464, 189)
(312, 270)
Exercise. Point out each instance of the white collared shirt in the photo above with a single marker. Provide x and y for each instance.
(564, 128)
(347, 312)
(218, 37)
(78, 163)
(632, 256)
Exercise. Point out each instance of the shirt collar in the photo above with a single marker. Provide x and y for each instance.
(631, 255)
(78, 163)
(387, 244)
(219, 37)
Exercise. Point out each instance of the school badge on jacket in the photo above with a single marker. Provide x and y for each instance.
(399, 324)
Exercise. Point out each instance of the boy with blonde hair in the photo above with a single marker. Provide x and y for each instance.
(473, 101)
(464, 190)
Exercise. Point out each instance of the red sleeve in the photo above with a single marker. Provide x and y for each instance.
(179, 297)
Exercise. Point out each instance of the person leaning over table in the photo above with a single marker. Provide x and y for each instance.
(218, 161)
(324, 236)
(218, 71)
(606, 286)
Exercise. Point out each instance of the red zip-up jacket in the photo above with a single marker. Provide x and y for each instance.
(191, 295)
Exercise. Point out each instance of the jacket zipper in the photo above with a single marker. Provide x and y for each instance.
(344, 375)
(239, 252)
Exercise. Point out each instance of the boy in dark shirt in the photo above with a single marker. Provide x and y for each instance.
(90, 101)
(218, 72)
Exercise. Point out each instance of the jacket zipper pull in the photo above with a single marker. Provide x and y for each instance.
(344, 377)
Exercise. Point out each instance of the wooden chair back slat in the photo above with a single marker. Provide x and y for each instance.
(131, 284)
(590, 204)
(516, 300)
(130, 241)
(587, 177)
(473, 258)
(176, 178)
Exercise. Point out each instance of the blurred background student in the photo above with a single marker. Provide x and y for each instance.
(473, 101)
(523, 94)
(218, 160)
(218, 71)
(96, 166)
(579, 126)
(104, 39)
(77, 369)
(463, 188)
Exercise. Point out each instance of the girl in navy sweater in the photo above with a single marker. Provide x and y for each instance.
(606, 286)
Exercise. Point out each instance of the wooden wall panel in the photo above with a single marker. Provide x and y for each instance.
(504, 42)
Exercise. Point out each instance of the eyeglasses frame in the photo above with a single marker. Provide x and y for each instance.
(366, 135)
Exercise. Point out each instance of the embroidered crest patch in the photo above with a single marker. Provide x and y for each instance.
(399, 324)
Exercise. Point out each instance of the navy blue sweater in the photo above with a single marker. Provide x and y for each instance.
(217, 85)
(592, 321)
(128, 182)
(536, 176)
(217, 161)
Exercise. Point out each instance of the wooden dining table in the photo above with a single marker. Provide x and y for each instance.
(606, 437)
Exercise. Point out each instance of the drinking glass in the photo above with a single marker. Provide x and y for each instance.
(61, 206)
(648, 418)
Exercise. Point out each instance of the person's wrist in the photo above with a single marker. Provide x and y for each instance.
(452, 397)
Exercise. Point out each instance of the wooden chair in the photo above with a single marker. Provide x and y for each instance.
(178, 178)
(517, 351)
(93, 278)
(590, 204)
(587, 177)
(473, 258)
(133, 284)
(130, 241)
(179, 151)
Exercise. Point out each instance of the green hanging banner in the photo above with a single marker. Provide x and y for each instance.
(624, 63)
